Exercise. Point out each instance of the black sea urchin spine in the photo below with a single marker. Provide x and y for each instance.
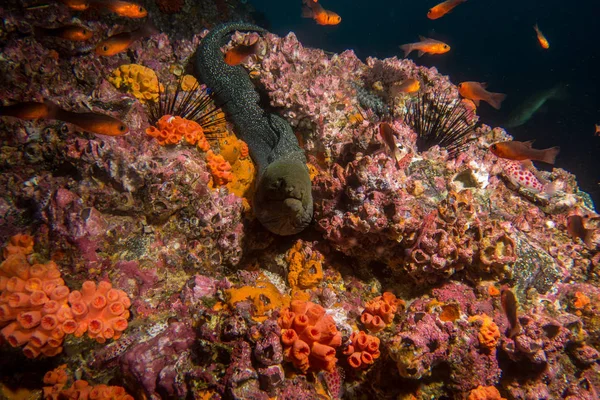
(440, 119)
(195, 104)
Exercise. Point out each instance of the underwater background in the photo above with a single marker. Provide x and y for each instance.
(493, 42)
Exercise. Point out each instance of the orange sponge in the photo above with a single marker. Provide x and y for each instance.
(489, 333)
(485, 393)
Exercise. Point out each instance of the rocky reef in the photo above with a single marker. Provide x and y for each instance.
(397, 289)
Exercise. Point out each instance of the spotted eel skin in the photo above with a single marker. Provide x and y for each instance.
(283, 198)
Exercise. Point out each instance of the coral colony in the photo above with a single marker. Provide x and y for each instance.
(136, 266)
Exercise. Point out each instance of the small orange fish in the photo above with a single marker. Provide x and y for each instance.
(541, 38)
(76, 5)
(510, 306)
(238, 54)
(476, 91)
(320, 15)
(426, 45)
(407, 86)
(520, 151)
(443, 8)
(597, 133)
(29, 110)
(74, 33)
(122, 8)
(122, 41)
(576, 229)
(92, 122)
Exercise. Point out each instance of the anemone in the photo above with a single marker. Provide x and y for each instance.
(196, 104)
(440, 119)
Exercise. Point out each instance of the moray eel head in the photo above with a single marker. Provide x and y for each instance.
(283, 199)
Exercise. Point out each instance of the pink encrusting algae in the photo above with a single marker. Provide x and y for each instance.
(146, 268)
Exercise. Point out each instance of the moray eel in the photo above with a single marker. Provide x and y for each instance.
(283, 198)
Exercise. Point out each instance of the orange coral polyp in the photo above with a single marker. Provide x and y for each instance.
(38, 298)
(95, 326)
(120, 324)
(363, 351)
(39, 338)
(33, 285)
(16, 300)
(79, 309)
(322, 351)
(19, 338)
(59, 293)
(309, 347)
(99, 302)
(288, 337)
(15, 284)
(355, 360)
(49, 322)
(300, 349)
(314, 313)
(50, 307)
(29, 319)
(69, 326)
(38, 271)
(298, 306)
(116, 308)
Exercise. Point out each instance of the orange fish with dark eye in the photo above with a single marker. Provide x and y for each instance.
(443, 8)
(425, 45)
(76, 5)
(92, 122)
(407, 86)
(541, 38)
(597, 133)
(75, 33)
(122, 41)
(238, 54)
(521, 151)
(475, 91)
(122, 8)
(29, 110)
(320, 15)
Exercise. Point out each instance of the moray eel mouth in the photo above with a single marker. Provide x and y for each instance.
(283, 199)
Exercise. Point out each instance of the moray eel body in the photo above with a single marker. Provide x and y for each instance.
(283, 198)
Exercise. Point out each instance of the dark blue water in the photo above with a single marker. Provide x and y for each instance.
(494, 42)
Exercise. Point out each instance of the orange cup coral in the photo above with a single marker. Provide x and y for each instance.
(32, 301)
(171, 130)
(363, 350)
(101, 311)
(80, 389)
(309, 337)
(380, 311)
(219, 168)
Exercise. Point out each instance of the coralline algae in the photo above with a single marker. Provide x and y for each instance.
(403, 265)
